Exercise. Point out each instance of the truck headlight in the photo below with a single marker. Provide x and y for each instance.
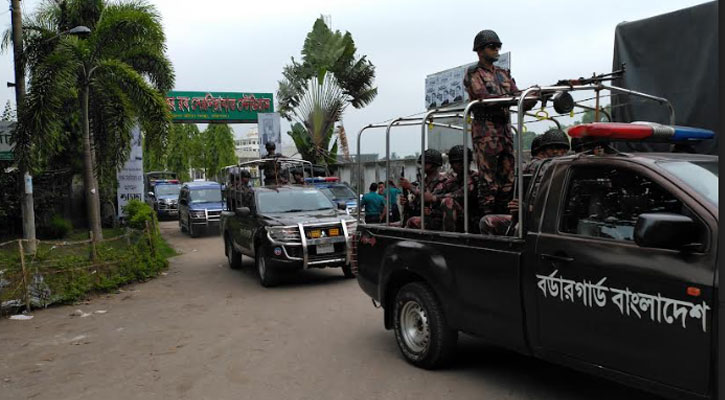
(197, 214)
(284, 234)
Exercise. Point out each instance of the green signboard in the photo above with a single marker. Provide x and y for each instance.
(223, 107)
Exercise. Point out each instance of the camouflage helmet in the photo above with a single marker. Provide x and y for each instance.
(536, 145)
(554, 137)
(432, 156)
(455, 154)
(485, 37)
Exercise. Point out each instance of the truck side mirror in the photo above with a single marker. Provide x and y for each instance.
(666, 231)
(151, 194)
(341, 205)
(243, 211)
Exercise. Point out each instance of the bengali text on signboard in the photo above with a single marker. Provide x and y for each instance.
(223, 107)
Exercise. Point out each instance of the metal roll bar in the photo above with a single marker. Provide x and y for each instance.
(519, 101)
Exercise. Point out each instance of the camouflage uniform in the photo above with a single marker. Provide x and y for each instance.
(272, 173)
(434, 220)
(451, 202)
(491, 131)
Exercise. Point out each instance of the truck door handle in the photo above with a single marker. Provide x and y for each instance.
(556, 258)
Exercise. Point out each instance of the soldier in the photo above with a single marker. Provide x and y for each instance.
(298, 177)
(491, 128)
(271, 168)
(553, 143)
(245, 191)
(432, 183)
(452, 192)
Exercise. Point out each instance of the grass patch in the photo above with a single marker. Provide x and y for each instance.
(67, 271)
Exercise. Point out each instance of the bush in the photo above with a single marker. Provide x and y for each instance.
(57, 228)
(137, 213)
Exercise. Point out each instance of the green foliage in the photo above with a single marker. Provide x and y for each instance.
(138, 213)
(68, 274)
(213, 149)
(58, 227)
(123, 64)
(315, 92)
(8, 113)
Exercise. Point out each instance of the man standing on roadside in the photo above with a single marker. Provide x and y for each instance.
(373, 203)
(491, 128)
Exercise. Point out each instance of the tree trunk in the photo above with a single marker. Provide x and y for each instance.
(93, 204)
(26, 193)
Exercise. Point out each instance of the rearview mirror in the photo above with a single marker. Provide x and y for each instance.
(665, 231)
(243, 211)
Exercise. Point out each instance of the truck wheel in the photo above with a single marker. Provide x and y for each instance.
(193, 232)
(421, 329)
(347, 270)
(233, 256)
(267, 277)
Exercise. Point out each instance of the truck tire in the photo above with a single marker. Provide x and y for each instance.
(193, 232)
(347, 271)
(421, 330)
(267, 276)
(233, 256)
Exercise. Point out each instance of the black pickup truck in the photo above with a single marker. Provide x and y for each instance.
(614, 274)
(288, 228)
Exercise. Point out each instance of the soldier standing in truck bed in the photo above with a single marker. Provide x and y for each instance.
(491, 128)
(272, 171)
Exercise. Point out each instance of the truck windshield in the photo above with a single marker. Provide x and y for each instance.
(206, 196)
(338, 192)
(167, 190)
(701, 176)
(292, 201)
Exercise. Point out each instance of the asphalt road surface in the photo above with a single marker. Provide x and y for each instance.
(204, 331)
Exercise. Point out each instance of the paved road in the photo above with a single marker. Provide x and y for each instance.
(203, 331)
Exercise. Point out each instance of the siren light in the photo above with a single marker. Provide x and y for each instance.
(639, 131)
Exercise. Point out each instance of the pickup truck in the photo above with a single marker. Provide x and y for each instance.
(288, 228)
(613, 273)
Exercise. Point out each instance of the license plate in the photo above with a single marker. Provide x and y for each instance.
(325, 248)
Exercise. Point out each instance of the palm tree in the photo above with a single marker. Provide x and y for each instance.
(315, 92)
(118, 75)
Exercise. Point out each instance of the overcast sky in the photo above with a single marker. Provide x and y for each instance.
(235, 46)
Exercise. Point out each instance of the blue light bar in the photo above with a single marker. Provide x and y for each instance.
(683, 133)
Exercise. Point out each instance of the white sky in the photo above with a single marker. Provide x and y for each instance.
(231, 45)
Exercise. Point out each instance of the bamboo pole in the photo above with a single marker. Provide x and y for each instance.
(25, 275)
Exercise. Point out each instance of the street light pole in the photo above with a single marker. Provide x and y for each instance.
(26, 191)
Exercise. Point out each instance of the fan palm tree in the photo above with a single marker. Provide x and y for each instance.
(315, 92)
(118, 75)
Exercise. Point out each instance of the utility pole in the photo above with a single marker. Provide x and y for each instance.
(26, 190)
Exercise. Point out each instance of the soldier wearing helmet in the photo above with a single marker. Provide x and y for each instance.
(553, 143)
(491, 128)
(431, 183)
(272, 171)
(451, 194)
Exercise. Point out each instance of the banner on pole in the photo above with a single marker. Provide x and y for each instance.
(130, 177)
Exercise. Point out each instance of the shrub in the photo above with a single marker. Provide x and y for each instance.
(57, 228)
(137, 213)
